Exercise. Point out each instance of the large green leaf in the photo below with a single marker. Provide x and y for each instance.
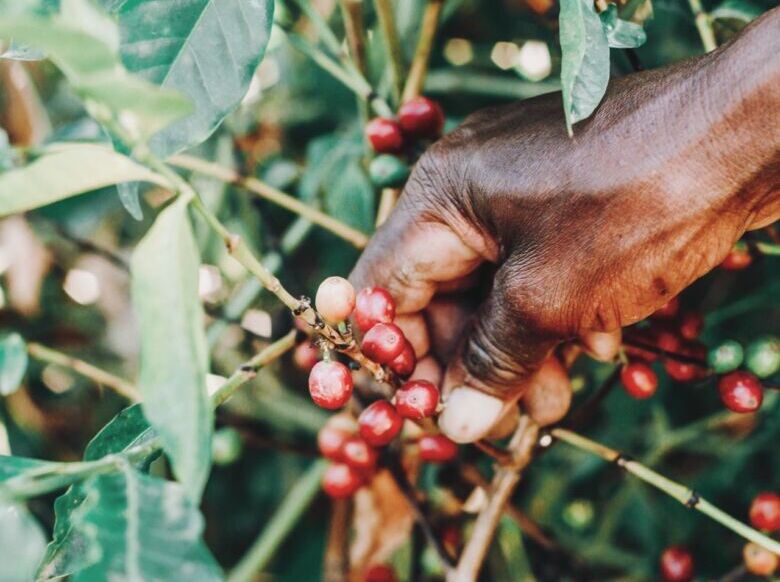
(67, 170)
(13, 363)
(206, 49)
(126, 430)
(585, 61)
(621, 33)
(133, 527)
(174, 356)
(14, 466)
(22, 543)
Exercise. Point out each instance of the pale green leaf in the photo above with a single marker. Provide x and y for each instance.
(22, 543)
(206, 49)
(14, 466)
(130, 526)
(740, 10)
(621, 33)
(13, 363)
(174, 357)
(585, 61)
(65, 170)
(130, 199)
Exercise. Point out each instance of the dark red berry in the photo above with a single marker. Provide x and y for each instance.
(384, 135)
(341, 481)
(405, 363)
(330, 384)
(741, 391)
(306, 355)
(380, 573)
(421, 117)
(383, 343)
(646, 337)
(738, 258)
(765, 512)
(691, 324)
(668, 310)
(437, 448)
(379, 423)
(639, 380)
(330, 441)
(373, 305)
(417, 399)
(667, 341)
(358, 454)
(676, 564)
(687, 371)
(451, 538)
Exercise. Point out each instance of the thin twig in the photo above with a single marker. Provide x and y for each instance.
(336, 566)
(703, 25)
(733, 575)
(387, 202)
(352, 14)
(504, 482)
(684, 495)
(422, 53)
(588, 409)
(384, 13)
(267, 192)
(685, 359)
(97, 375)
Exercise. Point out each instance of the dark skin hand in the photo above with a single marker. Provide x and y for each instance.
(586, 234)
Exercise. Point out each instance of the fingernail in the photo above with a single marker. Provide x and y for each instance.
(469, 414)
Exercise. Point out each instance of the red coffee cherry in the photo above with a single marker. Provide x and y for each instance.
(759, 561)
(676, 564)
(691, 324)
(765, 512)
(384, 135)
(421, 117)
(685, 371)
(379, 423)
(639, 380)
(741, 392)
(668, 310)
(417, 399)
(341, 481)
(738, 258)
(405, 363)
(437, 448)
(357, 453)
(383, 343)
(380, 573)
(306, 355)
(373, 305)
(330, 441)
(335, 299)
(330, 384)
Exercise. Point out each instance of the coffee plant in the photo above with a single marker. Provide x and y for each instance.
(180, 177)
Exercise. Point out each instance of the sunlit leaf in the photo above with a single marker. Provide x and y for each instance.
(621, 33)
(22, 543)
(13, 363)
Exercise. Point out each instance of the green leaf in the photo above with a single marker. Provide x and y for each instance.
(740, 10)
(14, 466)
(130, 199)
(13, 363)
(350, 195)
(64, 171)
(22, 543)
(174, 356)
(585, 61)
(133, 527)
(126, 430)
(206, 49)
(621, 33)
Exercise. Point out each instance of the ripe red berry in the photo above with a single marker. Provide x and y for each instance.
(417, 399)
(741, 391)
(341, 481)
(765, 512)
(421, 117)
(383, 343)
(676, 564)
(690, 325)
(738, 258)
(437, 448)
(759, 561)
(306, 355)
(687, 371)
(335, 299)
(405, 363)
(330, 384)
(373, 305)
(380, 573)
(639, 380)
(330, 440)
(379, 423)
(357, 453)
(384, 135)
(668, 310)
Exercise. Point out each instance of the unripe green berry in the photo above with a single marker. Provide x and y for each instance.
(388, 171)
(579, 514)
(226, 446)
(762, 356)
(725, 357)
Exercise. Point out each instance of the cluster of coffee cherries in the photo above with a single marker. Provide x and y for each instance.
(353, 446)
(677, 563)
(419, 119)
(676, 332)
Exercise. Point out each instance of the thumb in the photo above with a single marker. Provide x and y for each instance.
(494, 365)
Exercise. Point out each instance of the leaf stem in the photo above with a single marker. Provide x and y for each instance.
(683, 494)
(422, 53)
(101, 377)
(384, 13)
(703, 25)
(280, 525)
(267, 192)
